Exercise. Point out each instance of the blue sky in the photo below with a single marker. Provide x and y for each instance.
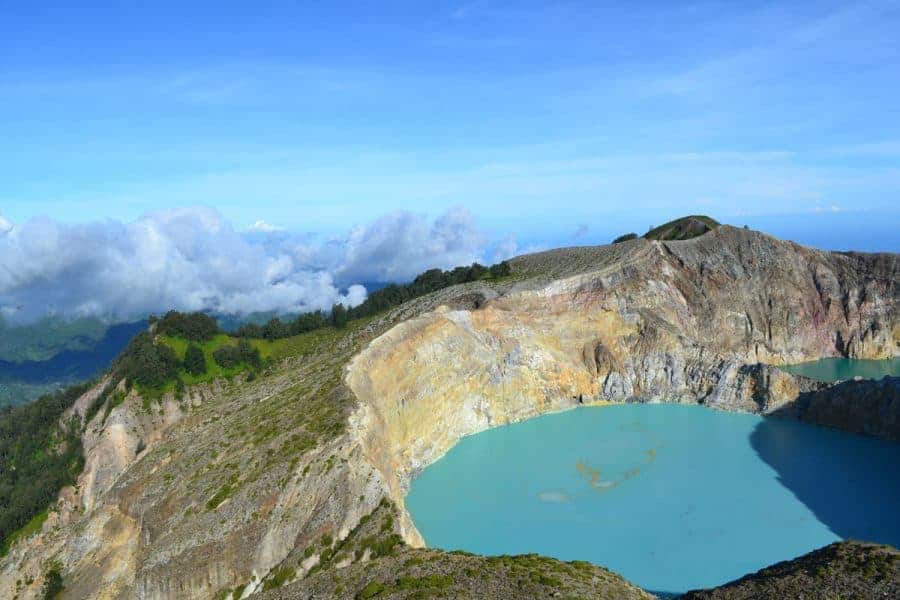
(563, 122)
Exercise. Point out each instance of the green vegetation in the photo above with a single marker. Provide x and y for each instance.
(115, 400)
(223, 494)
(95, 407)
(37, 458)
(30, 528)
(625, 238)
(435, 581)
(684, 228)
(194, 327)
(371, 590)
(339, 316)
(840, 570)
(277, 329)
(528, 573)
(378, 301)
(279, 578)
(194, 360)
(170, 363)
(146, 363)
(53, 583)
(229, 356)
(304, 344)
(379, 546)
(430, 281)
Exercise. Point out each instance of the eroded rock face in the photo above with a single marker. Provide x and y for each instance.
(866, 407)
(669, 322)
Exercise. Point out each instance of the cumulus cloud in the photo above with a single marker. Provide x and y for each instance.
(402, 244)
(193, 259)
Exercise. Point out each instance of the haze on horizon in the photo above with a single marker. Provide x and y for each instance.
(277, 157)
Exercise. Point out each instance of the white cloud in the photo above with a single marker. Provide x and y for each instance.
(193, 259)
(402, 244)
(5, 226)
(263, 227)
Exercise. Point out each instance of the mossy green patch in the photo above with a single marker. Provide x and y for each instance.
(371, 590)
(311, 342)
(30, 528)
(213, 369)
(224, 493)
(682, 229)
(116, 399)
(279, 578)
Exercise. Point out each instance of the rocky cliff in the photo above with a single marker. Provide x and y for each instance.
(248, 486)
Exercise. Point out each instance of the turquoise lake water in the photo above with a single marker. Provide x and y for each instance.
(672, 497)
(834, 369)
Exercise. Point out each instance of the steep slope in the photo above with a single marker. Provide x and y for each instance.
(841, 570)
(253, 485)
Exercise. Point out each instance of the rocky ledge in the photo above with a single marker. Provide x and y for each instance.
(859, 406)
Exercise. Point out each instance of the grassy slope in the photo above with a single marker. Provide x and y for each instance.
(841, 570)
(683, 228)
(306, 343)
(394, 570)
(271, 351)
(213, 370)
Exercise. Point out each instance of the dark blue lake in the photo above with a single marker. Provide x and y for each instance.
(672, 497)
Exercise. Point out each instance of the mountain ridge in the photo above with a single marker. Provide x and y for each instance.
(255, 484)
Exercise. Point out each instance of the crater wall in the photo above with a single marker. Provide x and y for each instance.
(691, 322)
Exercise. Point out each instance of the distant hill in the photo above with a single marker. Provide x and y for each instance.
(684, 228)
(48, 337)
(21, 381)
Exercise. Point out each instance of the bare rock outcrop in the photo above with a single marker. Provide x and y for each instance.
(861, 406)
